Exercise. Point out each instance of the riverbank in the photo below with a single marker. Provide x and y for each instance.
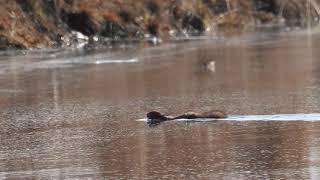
(59, 23)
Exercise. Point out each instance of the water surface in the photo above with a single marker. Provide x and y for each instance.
(68, 114)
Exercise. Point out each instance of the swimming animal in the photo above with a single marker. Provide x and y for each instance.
(155, 117)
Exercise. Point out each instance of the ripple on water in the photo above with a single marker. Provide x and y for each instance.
(272, 117)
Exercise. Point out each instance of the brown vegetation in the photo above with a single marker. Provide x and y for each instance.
(43, 23)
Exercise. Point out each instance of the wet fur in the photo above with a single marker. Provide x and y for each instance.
(155, 117)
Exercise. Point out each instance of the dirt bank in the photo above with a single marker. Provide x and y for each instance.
(54, 23)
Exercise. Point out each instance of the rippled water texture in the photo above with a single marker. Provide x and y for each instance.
(73, 113)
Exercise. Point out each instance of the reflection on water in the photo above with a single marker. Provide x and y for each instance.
(75, 119)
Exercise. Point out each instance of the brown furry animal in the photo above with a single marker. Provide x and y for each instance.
(155, 117)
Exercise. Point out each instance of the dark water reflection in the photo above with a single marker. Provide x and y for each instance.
(73, 115)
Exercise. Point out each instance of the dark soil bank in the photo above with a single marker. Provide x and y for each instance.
(52, 23)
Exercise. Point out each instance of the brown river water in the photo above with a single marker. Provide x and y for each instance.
(72, 114)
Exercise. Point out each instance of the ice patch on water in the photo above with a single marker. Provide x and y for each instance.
(81, 61)
(272, 117)
(59, 63)
(116, 61)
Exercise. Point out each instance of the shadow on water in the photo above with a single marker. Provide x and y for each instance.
(65, 116)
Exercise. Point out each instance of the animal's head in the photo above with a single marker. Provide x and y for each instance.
(155, 115)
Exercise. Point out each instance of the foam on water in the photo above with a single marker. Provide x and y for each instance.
(272, 117)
